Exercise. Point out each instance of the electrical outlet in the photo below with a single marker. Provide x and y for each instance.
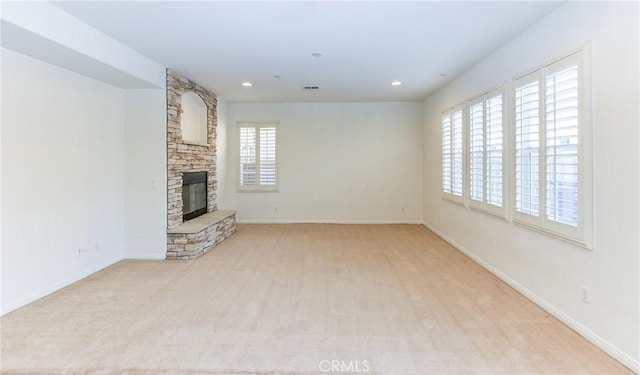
(402, 209)
(585, 294)
(275, 209)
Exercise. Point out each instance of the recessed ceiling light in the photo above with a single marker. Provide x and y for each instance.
(396, 83)
(316, 54)
(246, 84)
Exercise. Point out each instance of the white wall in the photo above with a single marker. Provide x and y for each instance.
(145, 168)
(62, 177)
(67, 132)
(550, 271)
(338, 162)
(1, 196)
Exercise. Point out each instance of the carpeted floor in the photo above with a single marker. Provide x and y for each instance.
(298, 299)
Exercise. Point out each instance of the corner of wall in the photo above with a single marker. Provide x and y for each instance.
(145, 188)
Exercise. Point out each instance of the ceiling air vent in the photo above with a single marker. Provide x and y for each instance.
(311, 88)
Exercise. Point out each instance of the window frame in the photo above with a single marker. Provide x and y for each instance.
(451, 196)
(483, 205)
(257, 125)
(581, 234)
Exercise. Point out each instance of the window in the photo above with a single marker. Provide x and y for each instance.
(549, 175)
(452, 154)
(486, 151)
(258, 156)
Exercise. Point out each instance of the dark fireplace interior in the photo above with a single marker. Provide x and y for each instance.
(194, 195)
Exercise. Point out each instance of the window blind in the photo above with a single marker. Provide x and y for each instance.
(458, 153)
(548, 148)
(494, 150)
(247, 156)
(447, 165)
(268, 156)
(549, 166)
(527, 129)
(476, 151)
(561, 132)
(452, 153)
(258, 156)
(486, 152)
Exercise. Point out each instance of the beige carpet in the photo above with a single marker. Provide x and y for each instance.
(298, 299)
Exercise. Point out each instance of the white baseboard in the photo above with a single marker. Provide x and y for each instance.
(14, 305)
(297, 221)
(145, 256)
(598, 341)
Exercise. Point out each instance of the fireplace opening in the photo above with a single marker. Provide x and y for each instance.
(194, 195)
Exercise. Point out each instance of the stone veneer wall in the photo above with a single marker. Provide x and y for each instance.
(184, 157)
(192, 245)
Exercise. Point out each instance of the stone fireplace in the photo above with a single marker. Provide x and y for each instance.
(194, 162)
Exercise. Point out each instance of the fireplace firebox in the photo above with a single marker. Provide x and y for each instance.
(194, 195)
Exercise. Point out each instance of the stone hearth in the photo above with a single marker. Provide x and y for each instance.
(196, 237)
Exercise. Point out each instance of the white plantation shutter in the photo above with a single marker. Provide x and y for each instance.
(486, 151)
(268, 156)
(494, 149)
(476, 151)
(562, 153)
(452, 154)
(527, 147)
(549, 191)
(447, 154)
(550, 163)
(258, 156)
(458, 152)
(247, 156)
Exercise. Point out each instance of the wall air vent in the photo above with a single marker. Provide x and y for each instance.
(311, 88)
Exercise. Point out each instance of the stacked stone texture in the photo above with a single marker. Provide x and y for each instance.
(184, 157)
(193, 245)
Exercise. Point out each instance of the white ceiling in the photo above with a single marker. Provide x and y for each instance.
(364, 45)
